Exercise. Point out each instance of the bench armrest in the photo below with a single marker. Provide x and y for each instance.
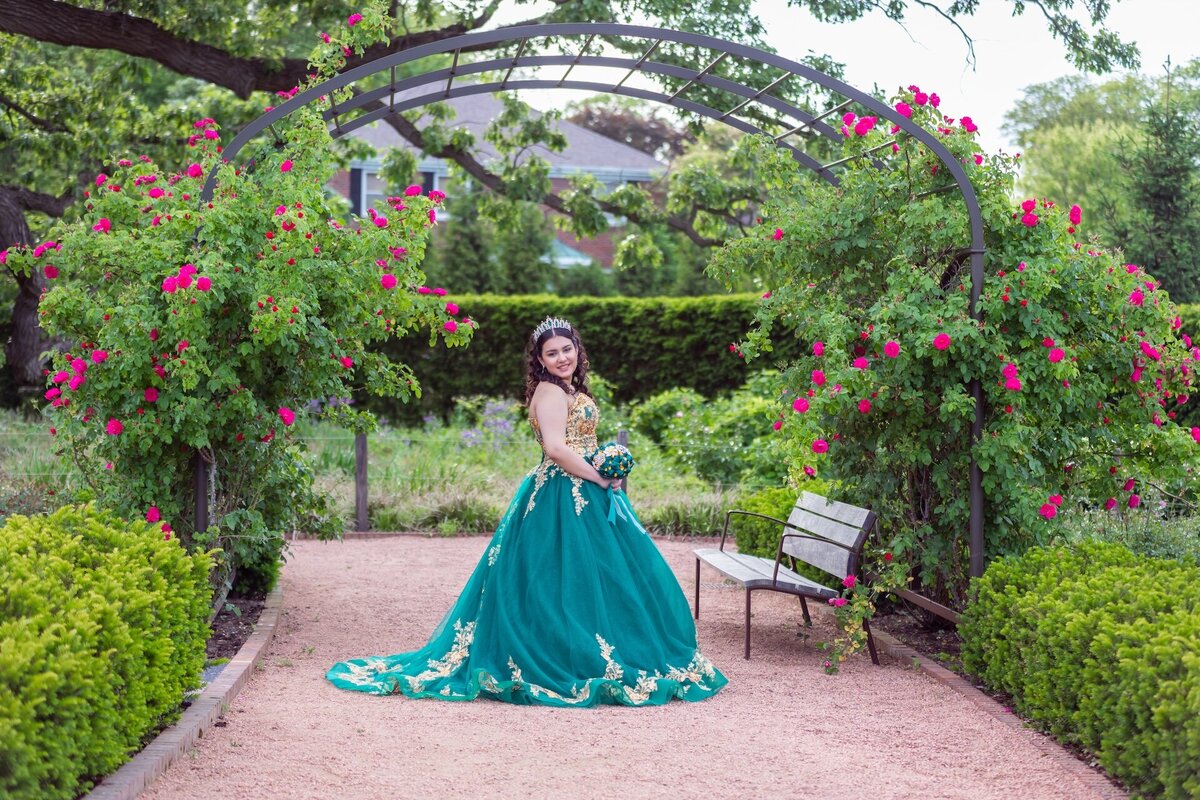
(728, 514)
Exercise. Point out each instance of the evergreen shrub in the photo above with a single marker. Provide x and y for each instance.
(103, 625)
(1101, 647)
(642, 345)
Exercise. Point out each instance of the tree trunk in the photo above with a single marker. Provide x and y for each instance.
(26, 341)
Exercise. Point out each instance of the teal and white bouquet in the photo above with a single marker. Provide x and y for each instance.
(612, 460)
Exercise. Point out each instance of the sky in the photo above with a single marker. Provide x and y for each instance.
(1010, 52)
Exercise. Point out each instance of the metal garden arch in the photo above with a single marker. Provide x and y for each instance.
(399, 95)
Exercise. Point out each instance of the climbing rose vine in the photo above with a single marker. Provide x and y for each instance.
(1080, 355)
(202, 330)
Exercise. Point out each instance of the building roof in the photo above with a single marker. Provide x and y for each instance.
(586, 151)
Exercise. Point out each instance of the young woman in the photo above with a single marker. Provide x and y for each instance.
(570, 605)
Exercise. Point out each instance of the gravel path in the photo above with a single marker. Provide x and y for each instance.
(780, 727)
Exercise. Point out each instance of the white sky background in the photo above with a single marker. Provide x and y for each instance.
(1010, 52)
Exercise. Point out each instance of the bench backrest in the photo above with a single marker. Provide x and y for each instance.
(832, 521)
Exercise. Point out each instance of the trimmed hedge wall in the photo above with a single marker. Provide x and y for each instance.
(1102, 648)
(642, 345)
(103, 626)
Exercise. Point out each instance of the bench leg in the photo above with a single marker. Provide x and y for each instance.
(871, 643)
(748, 592)
(807, 618)
(697, 588)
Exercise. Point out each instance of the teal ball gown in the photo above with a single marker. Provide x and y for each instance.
(571, 605)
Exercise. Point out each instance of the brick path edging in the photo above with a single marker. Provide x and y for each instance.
(143, 769)
(1094, 780)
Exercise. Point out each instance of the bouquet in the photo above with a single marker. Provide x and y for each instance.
(612, 460)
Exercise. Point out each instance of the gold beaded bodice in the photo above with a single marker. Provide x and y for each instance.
(582, 416)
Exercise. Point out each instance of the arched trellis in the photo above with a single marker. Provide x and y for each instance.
(435, 85)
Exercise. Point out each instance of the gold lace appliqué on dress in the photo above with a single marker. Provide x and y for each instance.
(582, 416)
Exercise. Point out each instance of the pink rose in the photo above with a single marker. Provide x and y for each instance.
(75, 382)
(1075, 215)
(861, 363)
(904, 109)
(103, 226)
(151, 395)
(50, 271)
(380, 221)
(61, 376)
(778, 234)
(152, 514)
(388, 281)
(1056, 499)
(864, 406)
(53, 392)
(1028, 206)
(1030, 220)
(818, 349)
(412, 191)
(1013, 384)
(170, 284)
(777, 424)
(1057, 355)
(800, 405)
(451, 308)
(891, 349)
(820, 446)
(286, 166)
(920, 98)
(203, 283)
(99, 356)
(353, 19)
(1129, 484)
(1009, 370)
(450, 325)
(818, 377)
(184, 280)
(1110, 504)
(346, 361)
(287, 415)
(187, 269)
(941, 341)
(195, 170)
(1149, 350)
(114, 427)
(849, 581)
(1048, 510)
(1134, 501)
(183, 345)
(78, 366)
(1136, 298)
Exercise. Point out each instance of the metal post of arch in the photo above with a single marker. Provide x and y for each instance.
(440, 84)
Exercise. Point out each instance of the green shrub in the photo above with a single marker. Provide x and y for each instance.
(1145, 532)
(103, 626)
(654, 415)
(1101, 647)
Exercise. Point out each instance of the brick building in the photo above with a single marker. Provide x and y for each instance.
(610, 161)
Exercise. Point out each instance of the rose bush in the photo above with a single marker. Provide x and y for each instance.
(201, 330)
(1080, 355)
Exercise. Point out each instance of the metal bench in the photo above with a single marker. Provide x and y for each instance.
(822, 533)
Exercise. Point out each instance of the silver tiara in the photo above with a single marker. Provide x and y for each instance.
(548, 323)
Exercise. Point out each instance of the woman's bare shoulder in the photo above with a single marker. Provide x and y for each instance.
(546, 389)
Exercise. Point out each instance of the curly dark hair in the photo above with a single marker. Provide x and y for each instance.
(535, 373)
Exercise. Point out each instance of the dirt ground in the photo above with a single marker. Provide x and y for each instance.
(781, 726)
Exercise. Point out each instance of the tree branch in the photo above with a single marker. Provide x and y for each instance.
(470, 165)
(29, 200)
(44, 124)
(64, 24)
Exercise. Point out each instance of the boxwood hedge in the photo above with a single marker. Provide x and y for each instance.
(1101, 647)
(103, 625)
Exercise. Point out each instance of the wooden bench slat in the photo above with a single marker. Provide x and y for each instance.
(822, 555)
(825, 527)
(842, 512)
(755, 572)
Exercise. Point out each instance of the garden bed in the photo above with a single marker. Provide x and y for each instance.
(233, 625)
